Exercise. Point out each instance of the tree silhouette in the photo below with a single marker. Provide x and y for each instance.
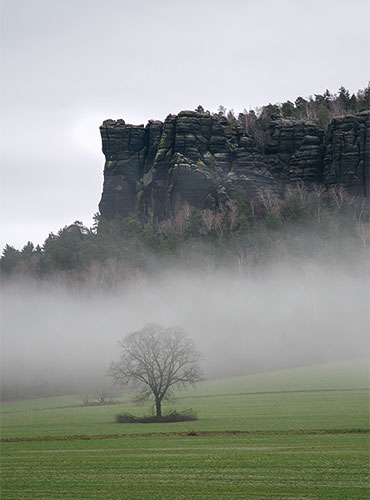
(156, 360)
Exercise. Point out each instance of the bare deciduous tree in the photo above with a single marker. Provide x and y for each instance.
(363, 231)
(208, 219)
(270, 201)
(181, 219)
(302, 192)
(360, 207)
(85, 399)
(177, 223)
(338, 194)
(103, 395)
(318, 191)
(232, 213)
(154, 361)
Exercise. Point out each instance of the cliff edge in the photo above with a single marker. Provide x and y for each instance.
(200, 158)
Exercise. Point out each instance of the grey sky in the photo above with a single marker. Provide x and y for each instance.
(69, 64)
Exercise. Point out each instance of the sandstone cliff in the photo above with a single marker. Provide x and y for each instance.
(201, 158)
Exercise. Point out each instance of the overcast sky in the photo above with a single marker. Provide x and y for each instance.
(69, 64)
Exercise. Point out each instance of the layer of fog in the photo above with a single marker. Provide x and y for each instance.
(283, 317)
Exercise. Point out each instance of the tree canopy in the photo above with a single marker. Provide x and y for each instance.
(156, 360)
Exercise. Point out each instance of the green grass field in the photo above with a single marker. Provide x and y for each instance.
(292, 434)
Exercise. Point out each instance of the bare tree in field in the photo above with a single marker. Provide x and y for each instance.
(103, 395)
(156, 360)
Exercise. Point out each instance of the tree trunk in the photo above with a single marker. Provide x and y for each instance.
(158, 407)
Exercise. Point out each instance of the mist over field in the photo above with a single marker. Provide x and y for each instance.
(59, 340)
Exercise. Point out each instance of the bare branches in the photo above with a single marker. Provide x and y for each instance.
(103, 395)
(232, 213)
(363, 232)
(156, 359)
(338, 194)
(176, 224)
(270, 201)
(318, 191)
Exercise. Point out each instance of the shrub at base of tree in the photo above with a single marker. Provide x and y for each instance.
(171, 416)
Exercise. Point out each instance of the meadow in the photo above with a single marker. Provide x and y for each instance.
(299, 433)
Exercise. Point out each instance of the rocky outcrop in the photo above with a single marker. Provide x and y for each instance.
(295, 150)
(192, 157)
(347, 154)
(201, 159)
(298, 150)
(123, 147)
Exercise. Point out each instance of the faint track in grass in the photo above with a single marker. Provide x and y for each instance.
(87, 437)
(65, 407)
(273, 392)
(197, 396)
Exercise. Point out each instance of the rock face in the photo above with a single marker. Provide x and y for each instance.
(347, 155)
(295, 150)
(201, 159)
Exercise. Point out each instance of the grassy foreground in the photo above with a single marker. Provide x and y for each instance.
(283, 445)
